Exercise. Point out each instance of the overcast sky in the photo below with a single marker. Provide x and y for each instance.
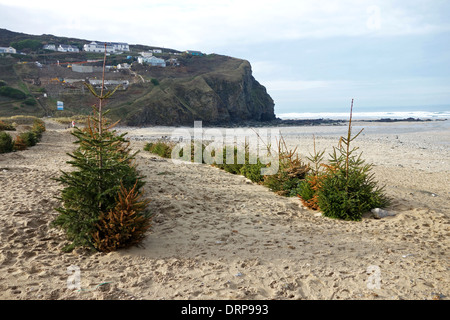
(311, 55)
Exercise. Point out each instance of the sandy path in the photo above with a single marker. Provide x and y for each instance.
(219, 236)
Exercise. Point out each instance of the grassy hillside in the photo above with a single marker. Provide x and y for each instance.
(212, 88)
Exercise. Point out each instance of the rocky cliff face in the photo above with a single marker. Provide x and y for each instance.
(223, 96)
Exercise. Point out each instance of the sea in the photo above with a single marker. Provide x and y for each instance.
(423, 113)
(436, 120)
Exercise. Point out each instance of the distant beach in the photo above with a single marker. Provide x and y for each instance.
(413, 132)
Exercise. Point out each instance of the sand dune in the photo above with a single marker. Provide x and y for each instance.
(219, 236)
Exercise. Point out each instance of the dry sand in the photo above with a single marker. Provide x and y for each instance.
(219, 236)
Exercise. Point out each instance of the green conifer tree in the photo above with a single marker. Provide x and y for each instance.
(349, 188)
(103, 164)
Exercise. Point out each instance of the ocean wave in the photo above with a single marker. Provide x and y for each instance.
(367, 115)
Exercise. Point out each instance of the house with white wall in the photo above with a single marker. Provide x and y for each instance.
(123, 66)
(146, 54)
(153, 61)
(98, 47)
(67, 48)
(7, 50)
(120, 46)
(51, 47)
(111, 47)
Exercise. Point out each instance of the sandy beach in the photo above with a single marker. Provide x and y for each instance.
(220, 236)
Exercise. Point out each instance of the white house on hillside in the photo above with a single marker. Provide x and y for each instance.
(50, 47)
(123, 66)
(111, 47)
(67, 48)
(7, 50)
(120, 46)
(98, 47)
(146, 54)
(153, 61)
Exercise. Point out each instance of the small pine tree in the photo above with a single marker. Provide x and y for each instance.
(349, 189)
(291, 172)
(6, 126)
(6, 142)
(102, 163)
(308, 189)
(19, 143)
(30, 138)
(38, 128)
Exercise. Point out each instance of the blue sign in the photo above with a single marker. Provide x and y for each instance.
(59, 105)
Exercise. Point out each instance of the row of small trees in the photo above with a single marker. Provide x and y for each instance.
(22, 141)
(342, 187)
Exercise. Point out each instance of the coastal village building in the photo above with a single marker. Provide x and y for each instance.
(150, 52)
(7, 50)
(146, 54)
(153, 61)
(194, 53)
(51, 47)
(123, 66)
(111, 47)
(61, 48)
(98, 47)
(172, 62)
(67, 48)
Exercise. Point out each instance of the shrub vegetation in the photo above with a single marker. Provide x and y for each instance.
(23, 140)
(30, 102)
(30, 44)
(20, 144)
(29, 138)
(4, 126)
(291, 171)
(12, 93)
(161, 148)
(6, 142)
(308, 188)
